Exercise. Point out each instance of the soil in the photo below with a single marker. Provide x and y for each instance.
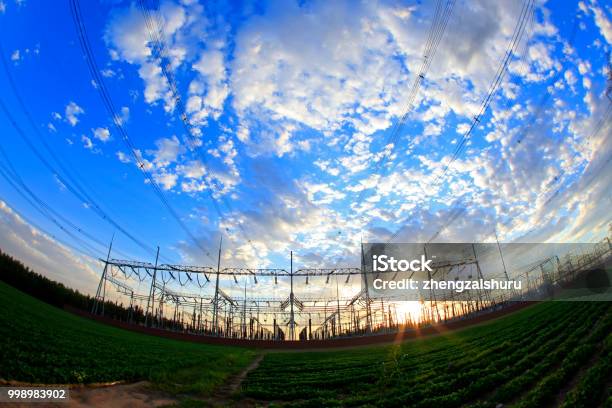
(134, 395)
(114, 395)
(143, 395)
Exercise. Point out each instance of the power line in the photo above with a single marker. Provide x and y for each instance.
(82, 251)
(526, 11)
(526, 128)
(155, 32)
(436, 32)
(69, 181)
(10, 174)
(519, 29)
(108, 104)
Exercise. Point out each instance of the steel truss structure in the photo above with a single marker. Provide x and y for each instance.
(217, 302)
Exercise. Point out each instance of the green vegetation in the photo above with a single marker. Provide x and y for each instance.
(23, 278)
(42, 344)
(554, 353)
(522, 360)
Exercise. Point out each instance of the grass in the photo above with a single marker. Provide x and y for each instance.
(525, 359)
(43, 344)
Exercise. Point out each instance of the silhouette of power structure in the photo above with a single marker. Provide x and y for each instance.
(311, 303)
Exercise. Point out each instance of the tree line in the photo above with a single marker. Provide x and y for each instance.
(21, 277)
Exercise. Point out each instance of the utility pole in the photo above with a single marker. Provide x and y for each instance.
(151, 298)
(432, 293)
(367, 291)
(501, 255)
(244, 323)
(291, 316)
(338, 305)
(102, 284)
(480, 275)
(216, 300)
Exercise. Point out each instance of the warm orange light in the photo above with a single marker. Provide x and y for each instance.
(409, 311)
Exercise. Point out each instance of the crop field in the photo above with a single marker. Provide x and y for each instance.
(551, 354)
(548, 355)
(43, 344)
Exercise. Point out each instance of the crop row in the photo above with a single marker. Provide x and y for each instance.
(457, 371)
(329, 371)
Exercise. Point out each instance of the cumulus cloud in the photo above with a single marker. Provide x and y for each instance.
(602, 21)
(44, 253)
(167, 151)
(123, 158)
(318, 86)
(102, 134)
(72, 113)
(183, 28)
(165, 179)
(87, 143)
(323, 72)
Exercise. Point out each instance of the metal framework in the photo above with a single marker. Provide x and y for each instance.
(244, 303)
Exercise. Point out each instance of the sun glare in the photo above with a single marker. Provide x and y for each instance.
(409, 311)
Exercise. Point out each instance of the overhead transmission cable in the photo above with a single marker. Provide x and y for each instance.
(110, 107)
(437, 29)
(517, 35)
(64, 177)
(32, 223)
(10, 174)
(540, 108)
(524, 16)
(7, 172)
(155, 32)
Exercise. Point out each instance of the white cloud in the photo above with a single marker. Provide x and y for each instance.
(209, 92)
(432, 129)
(570, 78)
(586, 83)
(108, 73)
(72, 112)
(462, 128)
(584, 67)
(2, 7)
(314, 71)
(87, 143)
(44, 254)
(129, 40)
(102, 134)
(167, 180)
(16, 56)
(602, 21)
(320, 193)
(123, 158)
(123, 117)
(168, 150)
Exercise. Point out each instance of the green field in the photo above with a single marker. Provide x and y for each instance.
(526, 359)
(42, 344)
(547, 355)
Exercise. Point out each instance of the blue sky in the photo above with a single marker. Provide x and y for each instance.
(290, 142)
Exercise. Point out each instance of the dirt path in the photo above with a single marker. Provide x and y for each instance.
(142, 395)
(112, 395)
(233, 383)
(136, 395)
